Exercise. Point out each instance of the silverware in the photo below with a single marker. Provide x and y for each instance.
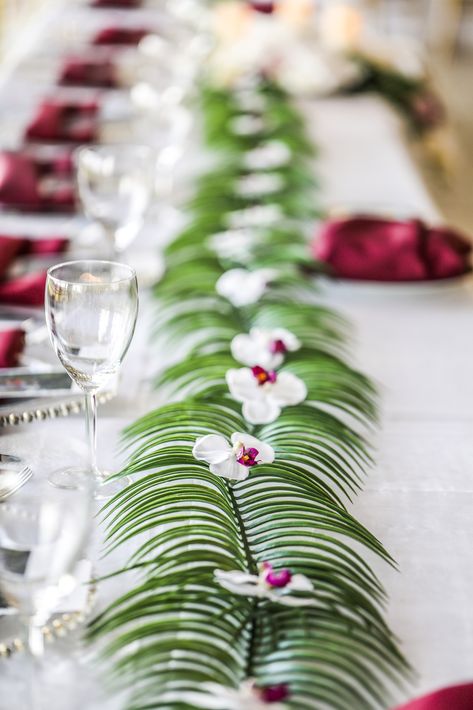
(11, 481)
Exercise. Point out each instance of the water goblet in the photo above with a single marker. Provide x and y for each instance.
(91, 310)
(43, 534)
(114, 185)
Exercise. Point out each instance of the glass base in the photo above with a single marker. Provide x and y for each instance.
(73, 478)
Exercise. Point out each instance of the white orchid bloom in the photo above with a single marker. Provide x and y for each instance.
(233, 243)
(259, 184)
(234, 460)
(248, 696)
(266, 348)
(242, 287)
(255, 216)
(275, 586)
(263, 393)
(268, 156)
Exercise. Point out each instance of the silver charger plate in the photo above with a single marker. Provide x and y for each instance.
(16, 412)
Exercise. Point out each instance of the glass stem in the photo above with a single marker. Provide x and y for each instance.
(35, 639)
(112, 241)
(36, 650)
(91, 426)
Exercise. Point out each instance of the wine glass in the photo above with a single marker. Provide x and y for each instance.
(91, 310)
(43, 533)
(114, 184)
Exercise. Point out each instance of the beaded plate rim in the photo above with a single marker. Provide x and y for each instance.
(38, 410)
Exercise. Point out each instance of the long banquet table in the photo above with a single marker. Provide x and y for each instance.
(417, 347)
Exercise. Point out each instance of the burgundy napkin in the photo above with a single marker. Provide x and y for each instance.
(27, 290)
(100, 73)
(12, 247)
(266, 7)
(375, 249)
(119, 4)
(459, 697)
(124, 36)
(34, 184)
(64, 121)
(12, 342)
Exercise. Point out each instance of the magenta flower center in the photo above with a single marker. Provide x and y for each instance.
(277, 346)
(247, 457)
(263, 376)
(274, 693)
(276, 579)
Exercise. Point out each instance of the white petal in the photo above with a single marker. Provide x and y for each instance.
(242, 287)
(300, 583)
(266, 452)
(212, 448)
(231, 582)
(261, 411)
(243, 385)
(288, 389)
(245, 350)
(291, 342)
(231, 469)
(287, 600)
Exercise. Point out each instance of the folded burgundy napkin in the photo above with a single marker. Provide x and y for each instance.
(374, 249)
(12, 247)
(36, 185)
(459, 697)
(119, 4)
(27, 290)
(12, 342)
(267, 7)
(124, 36)
(64, 121)
(100, 73)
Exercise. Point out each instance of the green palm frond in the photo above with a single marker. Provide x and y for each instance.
(177, 627)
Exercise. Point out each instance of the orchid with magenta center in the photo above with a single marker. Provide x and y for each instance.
(242, 287)
(277, 586)
(266, 348)
(232, 461)
(263, 393)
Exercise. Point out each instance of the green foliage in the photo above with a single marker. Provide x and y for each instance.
(177, 628)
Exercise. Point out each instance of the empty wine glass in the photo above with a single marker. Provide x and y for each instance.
(91, 310)
(114, 184)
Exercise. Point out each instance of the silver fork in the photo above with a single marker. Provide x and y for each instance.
(17, 481)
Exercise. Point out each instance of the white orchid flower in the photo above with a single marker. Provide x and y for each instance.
(268, 156)
(259, 184)
(255, 216)
(247, 125)
(242, 287)
(266, 348)
(233, 243)
(234, 460)
(248, 696)
(275, 586)
(264, 392)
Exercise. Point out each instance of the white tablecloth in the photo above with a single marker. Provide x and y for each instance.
(419, 349)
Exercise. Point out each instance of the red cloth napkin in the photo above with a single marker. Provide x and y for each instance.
(12, 342)
(374, 249)
(120, 4)
(27, 290)
(100, 73)
(12, 247)
(264, 6)
(33, 184)
(459, 697)
(64, 121)
(124, 36)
